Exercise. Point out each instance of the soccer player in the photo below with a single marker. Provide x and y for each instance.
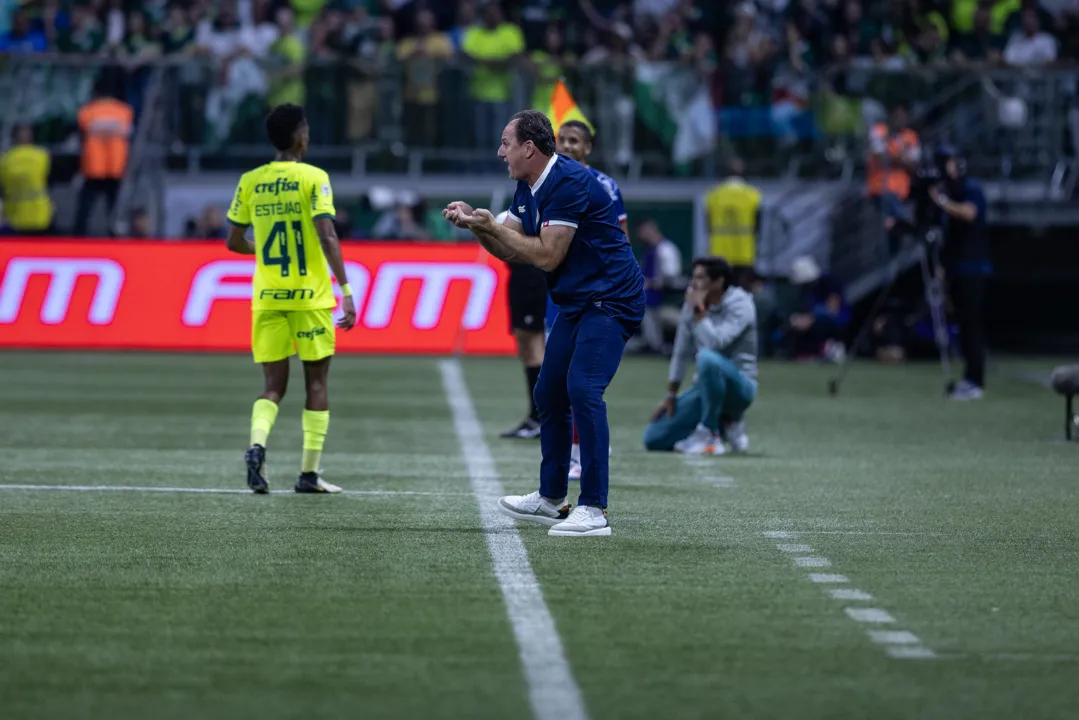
(568, 228)
(289, 203)
(576, 141)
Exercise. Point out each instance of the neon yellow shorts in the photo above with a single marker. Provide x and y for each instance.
(279, 334)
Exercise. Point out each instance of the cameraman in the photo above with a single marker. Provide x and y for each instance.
(966, 263)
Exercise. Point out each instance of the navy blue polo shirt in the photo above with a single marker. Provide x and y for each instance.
(599, 269)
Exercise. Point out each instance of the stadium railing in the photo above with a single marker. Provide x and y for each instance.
(364, 122)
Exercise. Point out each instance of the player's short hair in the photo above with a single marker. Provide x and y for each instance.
(716, 267)
(535, 126)
(582, 127)
(282, 124)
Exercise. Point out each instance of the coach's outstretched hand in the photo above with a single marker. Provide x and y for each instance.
(348, 319)
(462, 215)
(455, 211)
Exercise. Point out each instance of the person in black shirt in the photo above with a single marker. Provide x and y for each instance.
(966, 264)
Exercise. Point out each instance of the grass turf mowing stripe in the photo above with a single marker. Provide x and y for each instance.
(553, 692)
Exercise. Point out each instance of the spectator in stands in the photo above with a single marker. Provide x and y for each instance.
(423, 56)
(23, 37)
(24, 177)
(235, 50)
(106, 125)
(306, 11)
(894, 153)
(547, 66)
(791, 85)
(732, 215)
(1030, 46)
(493, 47)
(858, 30)
(466, 19)
(178, 34)
(285, 60)
(749, 54)
(662, 268)
(84, 36)
(537, 18)
(816, 329)
(139, 47)
(981, 44)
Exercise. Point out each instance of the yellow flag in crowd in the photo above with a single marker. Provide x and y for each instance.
(564, 108)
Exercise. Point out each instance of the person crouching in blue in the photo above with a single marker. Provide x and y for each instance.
(718, 326)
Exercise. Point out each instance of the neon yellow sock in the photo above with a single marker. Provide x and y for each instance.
(315, 425)
(263, 415)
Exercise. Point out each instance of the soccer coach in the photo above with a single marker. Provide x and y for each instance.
(564, 222)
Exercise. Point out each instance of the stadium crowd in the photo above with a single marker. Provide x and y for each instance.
(772, 55)
(758, 35)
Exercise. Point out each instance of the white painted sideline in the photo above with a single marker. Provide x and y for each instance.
(551, 688)
(196, 490)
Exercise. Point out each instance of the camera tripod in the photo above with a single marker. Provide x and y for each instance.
(933, 285)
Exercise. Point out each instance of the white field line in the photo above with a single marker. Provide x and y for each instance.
(828, 578)
(701, 465)
(793, 548)
(195, 490)
(552, 689)
(898, 644)
(849, 594)
(869, 615)
(812, 561)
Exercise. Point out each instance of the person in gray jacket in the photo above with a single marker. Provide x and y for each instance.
(718, 325)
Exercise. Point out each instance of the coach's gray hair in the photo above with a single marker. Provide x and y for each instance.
(535, 126)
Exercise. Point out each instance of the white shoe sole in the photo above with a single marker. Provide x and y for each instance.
(526, 517)
(598, 532)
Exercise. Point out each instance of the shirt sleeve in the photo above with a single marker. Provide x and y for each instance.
(239, 212)
(716, 334)
(620, 206)
(322, 197)
(566, 205)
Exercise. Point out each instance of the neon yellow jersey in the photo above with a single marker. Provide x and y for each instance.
(282, 200)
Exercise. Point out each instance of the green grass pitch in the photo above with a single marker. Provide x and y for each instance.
(957, 523)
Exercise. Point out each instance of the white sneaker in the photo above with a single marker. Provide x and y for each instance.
(534, 508)
(966, 391)
(701, 441)
(584, 521)
(834, 351)
(737, 438)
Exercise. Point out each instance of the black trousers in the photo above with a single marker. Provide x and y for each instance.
(92, 189)
(968, 294)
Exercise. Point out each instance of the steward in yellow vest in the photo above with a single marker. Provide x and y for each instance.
(733, 213)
